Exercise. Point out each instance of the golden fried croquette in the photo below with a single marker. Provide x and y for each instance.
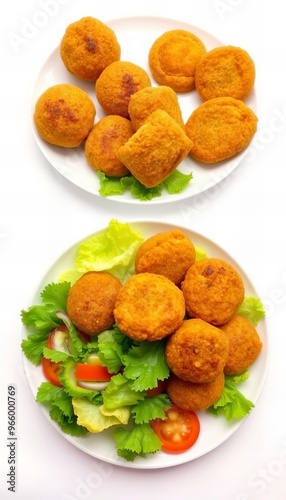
(156, 149)
(194, 397)
(197, 351)
(91, 301)
(103, 142)
(169, 253)
(147, 100)
(213, 290)
(117, 83)
(64, 115)
(225, 72)
(173, 59)
(244, 344)
(219, 128)
(88, 47)
(149, 307)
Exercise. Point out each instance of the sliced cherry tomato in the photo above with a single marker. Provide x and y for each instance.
(161, 387)
(179, 431)
(51, 371)
(96, 373)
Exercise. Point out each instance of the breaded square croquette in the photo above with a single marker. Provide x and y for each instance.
(244, 344)
(169, 253)
(64, 115)
(194, 397)
(103, 142)
(91, 301)
(225, 72)
(213, 290)
(117, 83)
(156, 149)
(147, 100)
(88, 47)
(173, 59)
(197, 351)
(149, 307)
(219, 128)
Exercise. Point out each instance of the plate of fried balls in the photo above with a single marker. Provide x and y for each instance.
(144, 109)
(206, 286)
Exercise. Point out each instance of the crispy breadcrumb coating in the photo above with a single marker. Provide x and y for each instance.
(219, 128)
(149, 307)
(169, 253)
(194, 397)
(91, 301)
(213, 290)
(156, 149)
(88, 47)
(101, 146)
(64, 115)
(197, 351)
(145, 101)
(244, 344)
(226, 71)
(173, 59)
(117, 83)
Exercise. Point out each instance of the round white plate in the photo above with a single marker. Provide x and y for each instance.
(135, 35)
(214, 430)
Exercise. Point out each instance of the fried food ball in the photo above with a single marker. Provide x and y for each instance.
(156, 149)
(213, 290)
(88, 47)
(219, 128)
(91, 301)
(244, 344)
(103, 142)
(194, 397)
(173, 59)
(197, 351)
(169, 253)
(149, 307)
(225, 72)
(117, 83)
(147, 100)
(64, 115)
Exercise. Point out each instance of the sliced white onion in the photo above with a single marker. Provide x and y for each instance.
(60, 341)
(93, 386)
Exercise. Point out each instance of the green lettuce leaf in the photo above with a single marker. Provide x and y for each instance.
(232, 403)
(112, 250)
(61, 409)
(253, 309)
(89, 415)
(43, 318)
(146, 364)
(151, 408)
(137, 441)
(110, 352)
(177, 182)
(33, 347)
(119, 393)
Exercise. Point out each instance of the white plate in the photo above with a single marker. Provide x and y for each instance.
(214, 430)
(135, 35)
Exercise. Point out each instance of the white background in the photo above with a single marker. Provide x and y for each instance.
(42, 214)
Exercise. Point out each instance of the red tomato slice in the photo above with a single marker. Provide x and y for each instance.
(161, 387)
(179, 431)
(51, 371)
(95, 373)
